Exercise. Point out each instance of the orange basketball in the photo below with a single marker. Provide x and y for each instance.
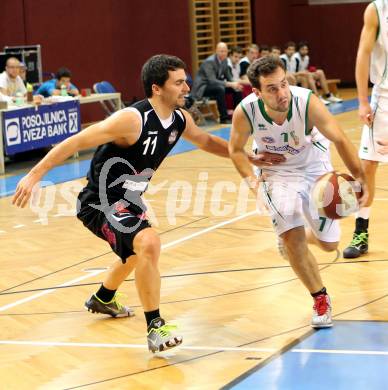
(336, 195)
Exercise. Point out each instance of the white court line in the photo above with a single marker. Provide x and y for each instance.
(45, 292)
(189, 348)
(190, 236)
(91, 274)
(19, 226)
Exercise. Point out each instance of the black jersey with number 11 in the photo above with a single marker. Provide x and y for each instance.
(123, 173)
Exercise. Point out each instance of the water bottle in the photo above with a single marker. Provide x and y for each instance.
(63, 90)
(19, 99)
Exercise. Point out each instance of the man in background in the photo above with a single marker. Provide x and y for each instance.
(10, 81)
(53, 87)
(214, 79)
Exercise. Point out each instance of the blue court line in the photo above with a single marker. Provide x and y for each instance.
(343, 357)
(79, 169)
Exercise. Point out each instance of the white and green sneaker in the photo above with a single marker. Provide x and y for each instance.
(161, 337)
(113, 308)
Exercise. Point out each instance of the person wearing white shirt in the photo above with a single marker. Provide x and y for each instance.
(10, 81)
(234, 58)
(302, 60)
(293, 77)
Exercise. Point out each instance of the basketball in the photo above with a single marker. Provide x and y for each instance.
(336, 195)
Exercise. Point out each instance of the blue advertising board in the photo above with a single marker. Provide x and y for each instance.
(38, 127)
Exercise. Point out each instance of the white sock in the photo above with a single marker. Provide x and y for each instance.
(363, 213)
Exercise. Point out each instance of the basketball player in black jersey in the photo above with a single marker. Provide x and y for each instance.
(132, 143)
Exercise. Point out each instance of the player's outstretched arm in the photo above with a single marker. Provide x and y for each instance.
(203, 140)
(122, 125)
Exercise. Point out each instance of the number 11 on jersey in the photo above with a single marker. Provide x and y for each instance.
(147, 143)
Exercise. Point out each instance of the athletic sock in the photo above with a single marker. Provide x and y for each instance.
(151, 315)
(320, 292)
(364, 213)
(361, 225)
(104, 294)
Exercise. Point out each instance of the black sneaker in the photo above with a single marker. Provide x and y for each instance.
(358, 246)
(113, 308)
(160, 336)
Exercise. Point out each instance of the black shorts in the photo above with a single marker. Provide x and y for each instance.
(116, 224)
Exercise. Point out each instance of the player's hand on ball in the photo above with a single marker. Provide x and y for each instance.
(266, 159)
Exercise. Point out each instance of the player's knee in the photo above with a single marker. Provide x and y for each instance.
(147, 243)
(329, 246)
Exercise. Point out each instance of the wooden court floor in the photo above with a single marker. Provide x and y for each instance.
(236, 301)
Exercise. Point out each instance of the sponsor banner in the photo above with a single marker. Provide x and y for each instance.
(33, 128)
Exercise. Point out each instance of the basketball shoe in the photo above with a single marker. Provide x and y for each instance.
(161, 337)
(322, 312)
(358, 246)
(113, 308)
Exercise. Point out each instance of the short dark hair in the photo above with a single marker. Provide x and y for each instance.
(302, 44)
(263, 67)
(155, 71)
(290, 44)
(235, 49)
(263, 48)
(62, 72)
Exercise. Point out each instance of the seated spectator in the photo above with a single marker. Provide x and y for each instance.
(234, 58)
(214, 79)
(289, 61)
(53, 86)
(302, 64)
(263, 51)
(275, 51)
(251, 55)
(10, 81)
(23, 76)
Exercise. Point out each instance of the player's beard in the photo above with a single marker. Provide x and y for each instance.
(278, 107)
(180, 102)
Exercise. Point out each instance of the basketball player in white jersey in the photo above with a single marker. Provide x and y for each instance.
(281, 118)
(371, 62)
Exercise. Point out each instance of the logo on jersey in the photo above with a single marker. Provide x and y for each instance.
(173, 136)
(261, 126)
(286, 148)
(294, 137)
(268, 140)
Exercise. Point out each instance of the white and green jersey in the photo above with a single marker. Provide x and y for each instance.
(379, 59)
(292, 138)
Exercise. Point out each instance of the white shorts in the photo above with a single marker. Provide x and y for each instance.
(289, 204)
(378, 130)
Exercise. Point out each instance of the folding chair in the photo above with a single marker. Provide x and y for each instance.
(106, 87)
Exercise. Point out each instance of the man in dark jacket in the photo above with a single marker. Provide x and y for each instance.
(214, 79)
